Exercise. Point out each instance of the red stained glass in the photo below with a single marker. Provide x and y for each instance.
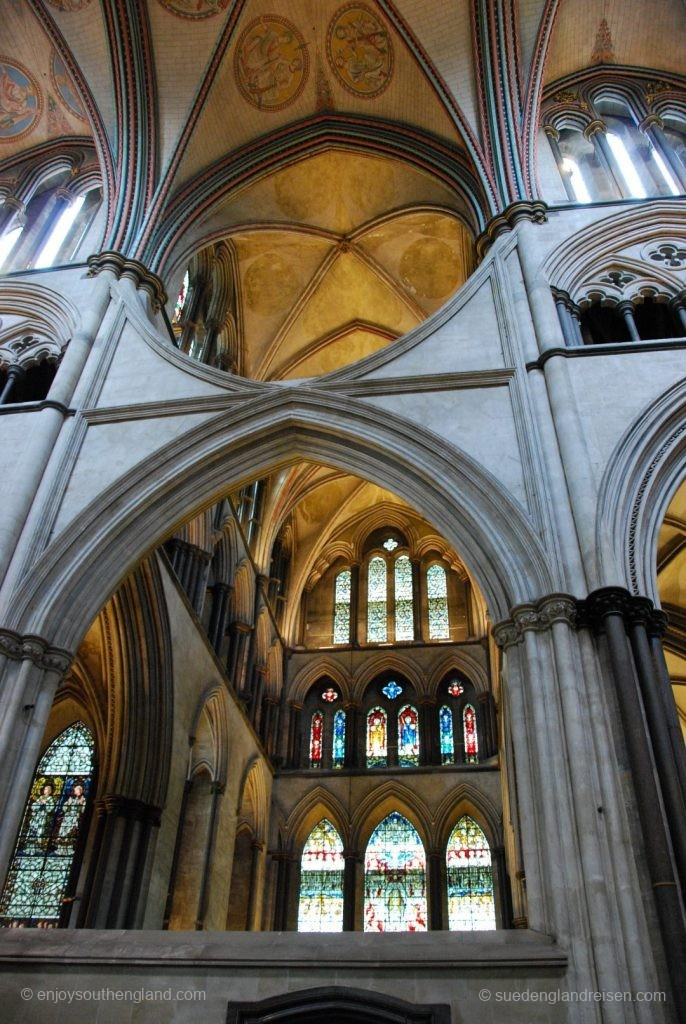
(329, 695)
(455, 690)
(471, 743)
(316, 731)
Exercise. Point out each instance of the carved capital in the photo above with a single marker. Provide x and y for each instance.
(34, 648)
(538, 616)
(594, 126)
(536, 212)
(633, 610)
(131, 269)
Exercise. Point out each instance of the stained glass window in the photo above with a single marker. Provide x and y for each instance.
(470, 878)
(390, 544)
(181, 301)
(316, 733)
(338, 759)
(39, 875)
(392, 689)
(404, 619)
(320, 907)
(377, 631)
(377, 742)
(329, 695)
(395, 878)
(455, 689)
(471, 743)
(408, 737)
(445, 726)
(437, 594)
(341, 618)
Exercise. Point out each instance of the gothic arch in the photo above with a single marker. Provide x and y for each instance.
(640, 478)
(337, 1005)
(377, 805)
(72, 578)
(390, 662)
(210, 734)
(467, 799)
(317, 804)
(459, 661)
(314, 670)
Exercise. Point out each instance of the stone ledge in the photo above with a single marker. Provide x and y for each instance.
(278, 950)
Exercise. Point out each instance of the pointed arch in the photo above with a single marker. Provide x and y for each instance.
(471, 897)
(395, 877)
(320, 903)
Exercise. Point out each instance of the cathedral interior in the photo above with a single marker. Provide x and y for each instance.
(343, 533)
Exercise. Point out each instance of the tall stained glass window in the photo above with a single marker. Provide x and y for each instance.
(39, 875)
(471, 742)
(377, 629)
(471, 905)
(377, 738)
(404, 618)
(338, 759)
(445, 728)
(316, 735)
(320, 908)
(408, 737)
(395, 878)
(437, 594)
(341, 616)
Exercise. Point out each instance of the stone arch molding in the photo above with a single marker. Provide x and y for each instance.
(642, 474)
(91, 553)
(594, 250)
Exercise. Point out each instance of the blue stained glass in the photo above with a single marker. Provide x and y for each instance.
(408, 737)
(39, 875)
(338, 739)
(445, 722)
(395, 878)
(320, 906)
(392, 690)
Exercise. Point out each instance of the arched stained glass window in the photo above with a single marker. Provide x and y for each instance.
(395, 878)
(408, 737)
(471, 743)
(437, 594)
(470, 878)
(41, 869)
(338, 759)
(377, 738)
(341, 617)
(320, 908)
(316, 735)
(445, 726)
(404, 617)
(377, 628)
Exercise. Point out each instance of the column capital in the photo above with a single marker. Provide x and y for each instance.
(593, 127)
(128, 807)
(633, 609)
(34, 648)
(651, 121)
(137, 272)
(551, 131)
(535, 211)
(538, 616)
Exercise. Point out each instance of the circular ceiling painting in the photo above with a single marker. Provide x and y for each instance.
(195, 8)
(360, 51)
(271, 63)
(64, 88)
(20, 100)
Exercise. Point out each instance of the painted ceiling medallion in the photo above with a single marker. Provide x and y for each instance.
(271, 63)
(360, 51)
(195, 8)
(20, 101)
(69, 5)
(64, 88)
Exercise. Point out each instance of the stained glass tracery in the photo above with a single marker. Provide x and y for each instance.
(392, 689)
(404, 616)
(471, 742)
(445, 727)
(40, 872)
(320, 907)
(437, 595)
(471, 905)
(338, 759)
(329, 695)
(341, 619)
(408, 737)
(377, 740)
(377, 628)
(455, 689)
(395, 878)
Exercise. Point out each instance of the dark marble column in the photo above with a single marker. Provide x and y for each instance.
(436, 884)
(352, 859)
(626, 308)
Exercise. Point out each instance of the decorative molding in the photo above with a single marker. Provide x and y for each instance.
(535, 211)
(538, 616)
(34, 648)
(135, 271)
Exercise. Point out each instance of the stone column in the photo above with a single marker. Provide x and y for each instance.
(653, 127)
(437, 882)
(14, 374)
(679, 307)
(284, 870)
(429, 752)
(352, 734)
(294, 728)
(488, 723)
(626, 308)
(352, 859)
(221, 602)
(553, 138)
(30, 672)
(595, 133)
(203, 899)
(257, 851)
(417, 601)
(113, 895)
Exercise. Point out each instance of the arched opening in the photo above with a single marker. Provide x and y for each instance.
(395, 897)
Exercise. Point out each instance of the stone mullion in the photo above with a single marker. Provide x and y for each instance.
(653, 128)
